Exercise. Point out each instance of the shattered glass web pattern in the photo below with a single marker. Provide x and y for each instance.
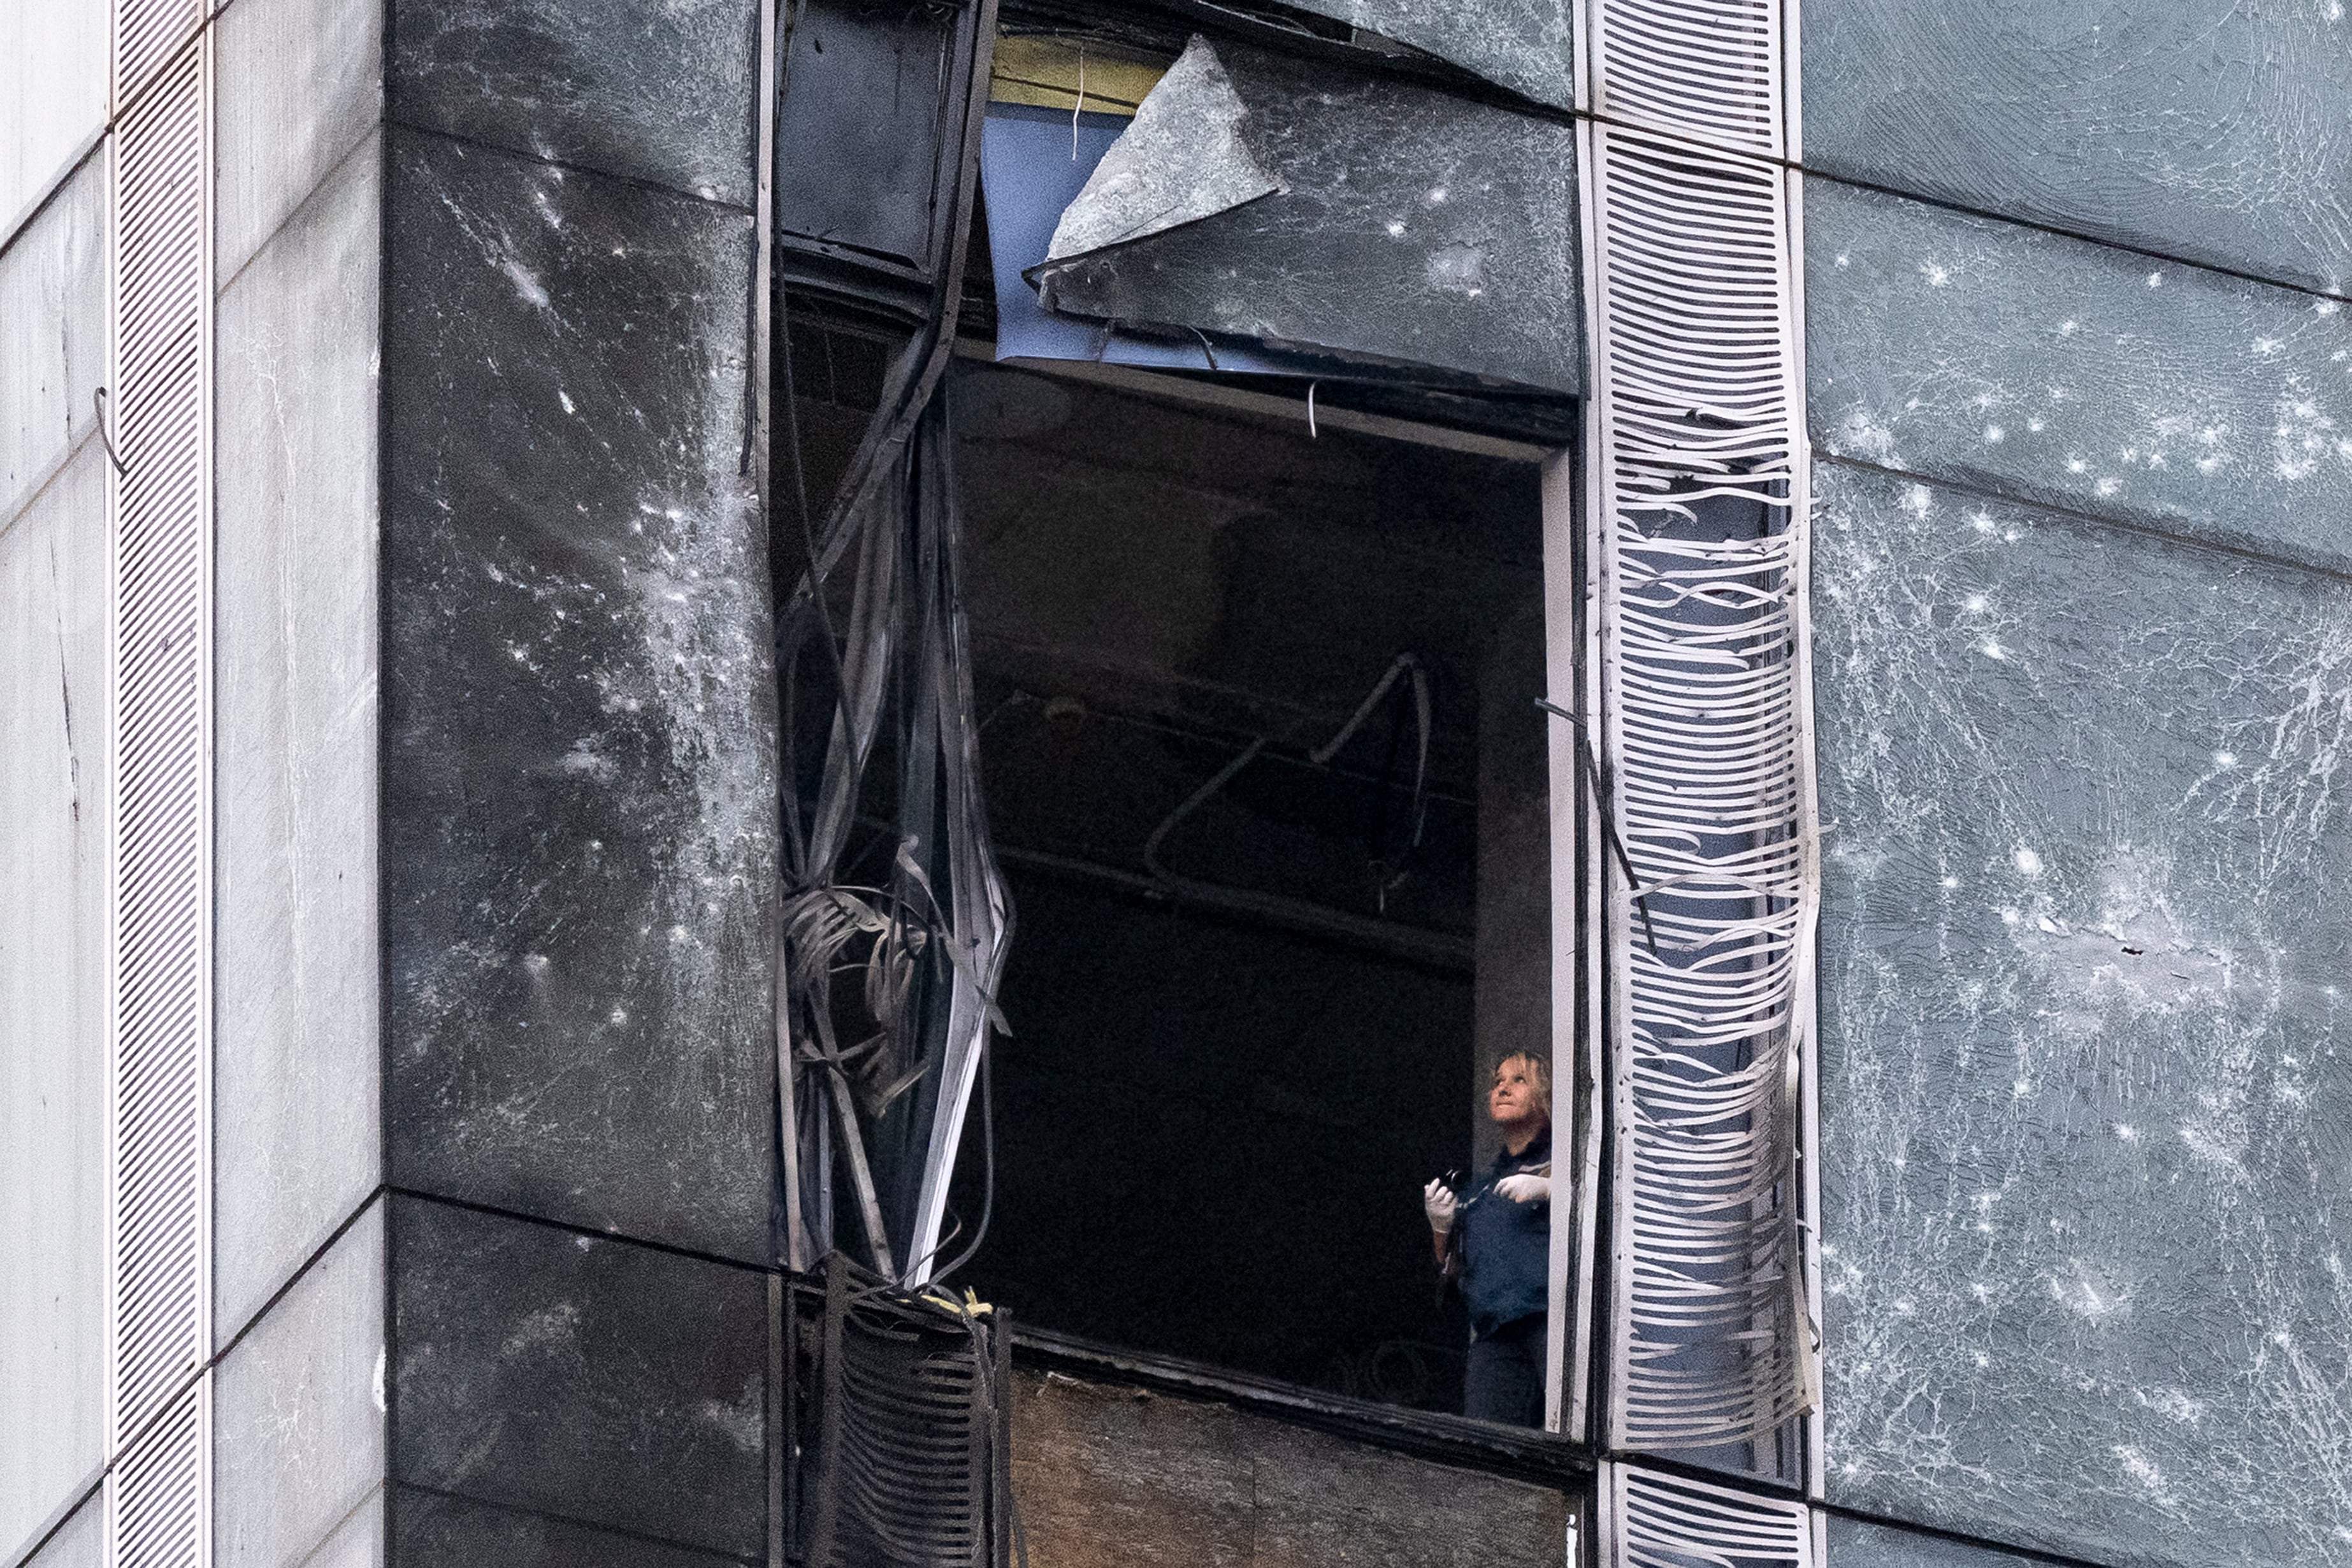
(1527, 46)
(2056, 370)
(2211, 129)
(2085, 1131)
(1853, 1544)
(1461, 255)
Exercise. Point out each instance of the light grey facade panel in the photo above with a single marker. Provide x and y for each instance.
(2083, 937)
(2207, 129)
(296, 1113)
(80, 1541)
(299, 85)
(299, 1412)
(52, 339)
(2064, 371)
(56, 771)
(53, 83)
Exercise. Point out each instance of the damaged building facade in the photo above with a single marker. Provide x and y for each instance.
(776, 776)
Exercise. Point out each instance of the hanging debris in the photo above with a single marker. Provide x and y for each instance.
(895, 919)
(1248, 182)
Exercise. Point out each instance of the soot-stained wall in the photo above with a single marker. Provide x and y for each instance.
(1108, 1475)
(579, 747)
(2084, 667)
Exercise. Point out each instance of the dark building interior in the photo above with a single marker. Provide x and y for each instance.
(1246, 1021)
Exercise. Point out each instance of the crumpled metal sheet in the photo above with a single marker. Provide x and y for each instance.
(1183, 158)
(1527, 46)
(1453, 224)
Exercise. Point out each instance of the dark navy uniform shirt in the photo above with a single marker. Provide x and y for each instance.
(1505, 1245)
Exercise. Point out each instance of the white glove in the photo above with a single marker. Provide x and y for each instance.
(1525, 1187)
(1437, 1200)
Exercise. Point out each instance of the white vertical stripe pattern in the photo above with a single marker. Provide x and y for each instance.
(161, 557)
(1698, 485)
(1652, 1521)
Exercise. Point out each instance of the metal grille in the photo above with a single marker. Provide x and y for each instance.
(161, 557)
(1709, 70)
(153, 1493)
(1699, 494)
(146, 34)
(1651, 1521)
(914, 1445)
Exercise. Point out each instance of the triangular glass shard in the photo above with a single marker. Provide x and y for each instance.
(1184, 158)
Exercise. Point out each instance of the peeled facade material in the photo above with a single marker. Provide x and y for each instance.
(1452, 222)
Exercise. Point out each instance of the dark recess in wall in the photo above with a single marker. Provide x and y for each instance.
(1211, 1127)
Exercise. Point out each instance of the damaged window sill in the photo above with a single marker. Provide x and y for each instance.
(1526, 1454)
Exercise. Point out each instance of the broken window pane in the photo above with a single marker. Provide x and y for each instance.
(1058, 105)
(2082, 973)
(1527, 46)
(1452, 222)
(1279, 920)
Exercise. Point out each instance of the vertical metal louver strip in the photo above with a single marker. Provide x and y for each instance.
(147, 33)
(1697, 475)
(161, 940)
(1667, 1521)
(1710, 70)
(156, 1480)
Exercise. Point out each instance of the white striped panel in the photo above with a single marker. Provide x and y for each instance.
(1697, 475)
(1710, 70)
(154, 1513)
(158, 418)
(1653, 1520)
(147, 33)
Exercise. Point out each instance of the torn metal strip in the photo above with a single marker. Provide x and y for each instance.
(1183, 158)
(1699, 486)
(891, 944)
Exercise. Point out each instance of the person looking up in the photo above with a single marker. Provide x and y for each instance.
(1496, 1242)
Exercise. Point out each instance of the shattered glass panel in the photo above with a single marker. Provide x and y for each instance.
(1033, 163)
(2085, 1124)
(2060, 370)
(663, 93)
(1527, 46)
(2077, 374)
(1454, 222)
(579, 792)
(1854, 1543)
(2204, 129)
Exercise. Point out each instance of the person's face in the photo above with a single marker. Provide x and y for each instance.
(1512, 1100)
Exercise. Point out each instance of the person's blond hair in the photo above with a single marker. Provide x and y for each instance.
(1539, 1070)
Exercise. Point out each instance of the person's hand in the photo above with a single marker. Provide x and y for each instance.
(1437, 1200)
(1525, 1187)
